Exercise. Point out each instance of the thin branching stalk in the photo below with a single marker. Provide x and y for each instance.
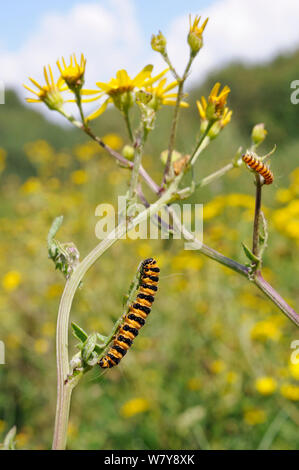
(64, 388)
(139, 145)
(257, 215)
(214, 176)
(181, 82)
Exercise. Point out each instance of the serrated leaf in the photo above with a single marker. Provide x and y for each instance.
(78, 332)
(249, 254)
(89, 347)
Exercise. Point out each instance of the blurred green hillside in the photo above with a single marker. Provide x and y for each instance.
(211, 368)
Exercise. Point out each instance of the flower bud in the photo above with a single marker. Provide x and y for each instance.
(195, 42)
(258, 134)
(158, 43)
(128, 152)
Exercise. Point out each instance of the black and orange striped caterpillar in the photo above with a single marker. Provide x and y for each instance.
(136, 316)
(259, 167)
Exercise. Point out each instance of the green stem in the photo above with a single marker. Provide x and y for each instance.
(214, 176)
(257, 215)
(181, 82)
(139, 145)
(201, 145)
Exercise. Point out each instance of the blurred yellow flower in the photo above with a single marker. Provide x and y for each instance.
(39, 151)
(231, 377)
(194, 384)
(113, 140)
(289, 391)
(87, 151)
(2, 425)
(13, 341)
(266, 385)
(72, 430)
(255, 416)
(22, 438)
(11, 280)
(31, 186)
(144, 250)
(186, 260)
(294, 370)
(264, 330)
(217, 366)
(283, 195)
(134, 406)
(41, 346)
(3, 155)
(55, 290)
(79, 177)
(48, 329)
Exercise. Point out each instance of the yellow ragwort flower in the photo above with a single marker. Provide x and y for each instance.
(195, 34)
(161, 95)
(73, 74)
(119, 90)
(215, 108)
(50, 93)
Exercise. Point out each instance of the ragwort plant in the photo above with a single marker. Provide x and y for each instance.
(147, 93)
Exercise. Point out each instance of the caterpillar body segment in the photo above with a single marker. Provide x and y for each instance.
(136, 316)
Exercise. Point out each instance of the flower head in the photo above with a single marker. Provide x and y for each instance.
(119, 90)
(73, 74)
(161, 93)
(50, 93)
(215, 109)
(195, 40)
(158, 43)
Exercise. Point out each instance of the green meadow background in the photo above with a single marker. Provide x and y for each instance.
(211, 368)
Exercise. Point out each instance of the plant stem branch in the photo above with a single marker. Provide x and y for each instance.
(274, 296)
(181, 82)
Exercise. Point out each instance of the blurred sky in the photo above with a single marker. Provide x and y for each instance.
(19, 18)
(115, 34)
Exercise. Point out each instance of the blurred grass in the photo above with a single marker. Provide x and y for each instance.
(211, 368)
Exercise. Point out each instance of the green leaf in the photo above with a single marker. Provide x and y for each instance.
(79, 333)
(9, 443)
(89, 347)
(54, 229)
(249, 254)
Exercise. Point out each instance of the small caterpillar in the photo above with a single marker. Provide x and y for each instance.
(259, 167)
(136, 316)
